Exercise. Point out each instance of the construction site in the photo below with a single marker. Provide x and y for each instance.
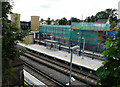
(53, 50)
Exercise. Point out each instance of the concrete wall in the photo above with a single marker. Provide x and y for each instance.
(35, 23)
(18, 66)
(15, 18)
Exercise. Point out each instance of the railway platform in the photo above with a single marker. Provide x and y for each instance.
(62, 55)
(65, 47)
(31, 80)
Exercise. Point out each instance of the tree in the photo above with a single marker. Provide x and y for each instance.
(48, 21)
(41, 20)
(88, 19)
(73, 19)
(101, 15)
(109, 73)
(110, 14)
(63, 21)
(11, 34)
(113, 24)
(91, 19)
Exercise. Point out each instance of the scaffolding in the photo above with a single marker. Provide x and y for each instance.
(73, 34)
(91, 37)
(91, 26)
(57, 30)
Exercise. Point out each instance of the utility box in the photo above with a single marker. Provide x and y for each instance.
(35, 23)
(29, 39)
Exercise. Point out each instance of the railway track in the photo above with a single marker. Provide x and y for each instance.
(60, 77)
(82, 75)
(48, 80)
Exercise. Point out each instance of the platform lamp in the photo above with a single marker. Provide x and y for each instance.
(83, 47)
(70, 35)
(44, 35)
(70, 30)
(79, 33)
(72, 48)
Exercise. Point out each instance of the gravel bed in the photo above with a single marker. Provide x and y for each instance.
(53, 73)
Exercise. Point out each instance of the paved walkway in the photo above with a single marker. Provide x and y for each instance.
(86, 62)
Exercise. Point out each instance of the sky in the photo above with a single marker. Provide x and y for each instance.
(57, 9)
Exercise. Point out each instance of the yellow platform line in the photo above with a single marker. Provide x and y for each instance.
(26, 84)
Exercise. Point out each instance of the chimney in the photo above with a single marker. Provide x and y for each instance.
(15, 18)
(35, 23)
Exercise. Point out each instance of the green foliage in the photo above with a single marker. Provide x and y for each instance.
(91, 19)
(18, 86)
(73, 19)
(41, 20)
(102, 15)
(109, 73)
(113, 24)
(115, 28)
(48, 21)
(63, 21)
(110, 14)
(11, 34)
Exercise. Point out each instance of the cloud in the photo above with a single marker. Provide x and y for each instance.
(45, 6)
(56, 9)
(55, 0)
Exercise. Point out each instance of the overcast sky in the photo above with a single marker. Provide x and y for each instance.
(56, 9)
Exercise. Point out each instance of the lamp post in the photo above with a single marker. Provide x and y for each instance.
(72, 48)
(70, 67)
(79, 33)
(70, 39)
(83, 47)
